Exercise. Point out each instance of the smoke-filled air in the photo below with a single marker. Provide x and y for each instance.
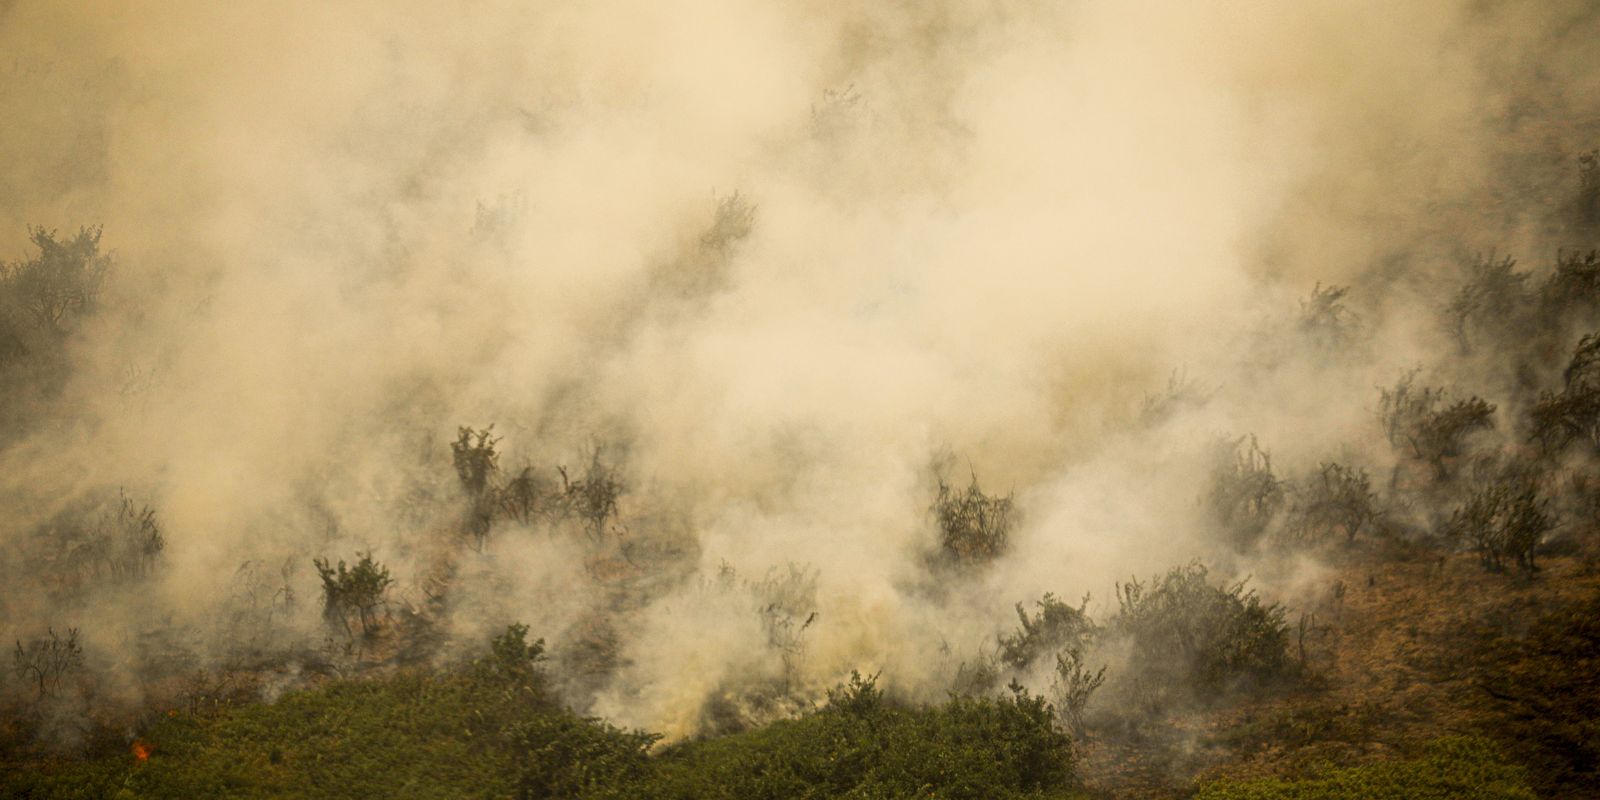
(961, 398)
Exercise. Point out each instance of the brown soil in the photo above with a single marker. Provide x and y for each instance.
(1418, 646)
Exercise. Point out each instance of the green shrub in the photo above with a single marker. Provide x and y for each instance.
(1461, 768)
(560, 755)
(863, 746)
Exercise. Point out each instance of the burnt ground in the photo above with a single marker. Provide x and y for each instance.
(1418, 646)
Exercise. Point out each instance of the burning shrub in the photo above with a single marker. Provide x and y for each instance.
(974, 527)
(1244, 496)
(357, 590)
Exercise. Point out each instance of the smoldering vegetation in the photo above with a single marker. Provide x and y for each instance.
(738, 352)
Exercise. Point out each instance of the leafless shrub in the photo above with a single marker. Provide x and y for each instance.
(974, 527)
(1324, 319)
(835, 112)
(134, 539)
(45, 661)
(1572, 291)
(525, 496)
(1504, 520)
(1245, 496)
(1494, 300)
(592, 496)
(1071, 688)
(60, 283)
(1414, 418)
(1588, 199)
(1338, 498)
(1181, 394)
(788, 607)
(734, 220)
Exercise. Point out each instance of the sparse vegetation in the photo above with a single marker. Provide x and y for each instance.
(974, 527)
(1324, 318)
(1431, 431)
(47, 660)
(1335, 498)
(1245, 496)
(1503, 521)
(682, 379)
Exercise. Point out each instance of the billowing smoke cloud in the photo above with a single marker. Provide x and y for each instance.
(771, 259)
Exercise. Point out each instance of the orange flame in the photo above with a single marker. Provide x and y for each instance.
(141, 750)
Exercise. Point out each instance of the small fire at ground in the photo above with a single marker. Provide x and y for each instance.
(141, 749)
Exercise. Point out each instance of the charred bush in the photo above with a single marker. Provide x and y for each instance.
(1431, 431)
(1503, 521)
(1244, 496)
(45, 661)
(592, 496)
(1324, 319)
(1588, 196)
(1335, 498)
(1074, 683)
(1572, 291)
(477, 464)
(1054, 627)
(974, 527)
(1188, 638)
(1181, 394)
(1494, 303)
(1560, 419)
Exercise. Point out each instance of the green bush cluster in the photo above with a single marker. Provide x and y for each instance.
(1456, 768)
(487, 730)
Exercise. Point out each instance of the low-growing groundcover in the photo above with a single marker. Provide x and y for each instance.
(1456, 768)
(488, 732)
